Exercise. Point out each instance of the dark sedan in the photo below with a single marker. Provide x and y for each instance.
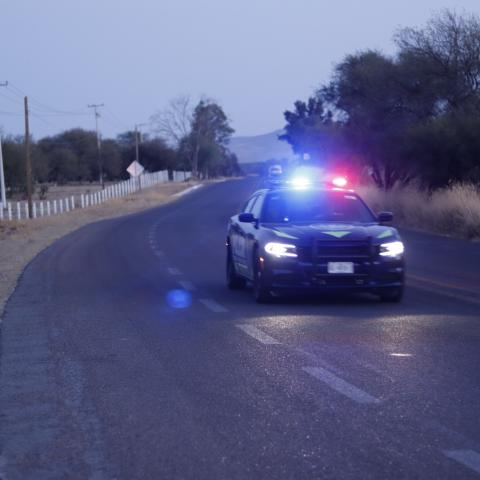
(290, 240)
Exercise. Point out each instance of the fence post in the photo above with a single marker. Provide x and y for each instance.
(48, 208)
(34, 210)
(41, 209)
(67, 206)
(19, 213)
(9, 207)
(61, 205)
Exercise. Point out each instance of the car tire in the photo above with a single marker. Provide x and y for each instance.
(261, 292)
(234, 281)
(392, 295)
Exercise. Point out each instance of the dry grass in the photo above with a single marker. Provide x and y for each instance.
(21, 240)
(454, 210)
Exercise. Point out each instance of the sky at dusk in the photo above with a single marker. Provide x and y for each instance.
(254, 57)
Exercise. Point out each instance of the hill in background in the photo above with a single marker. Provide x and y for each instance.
(259, 148)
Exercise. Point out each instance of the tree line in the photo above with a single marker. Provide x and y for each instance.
(411, 116)
(72, 155)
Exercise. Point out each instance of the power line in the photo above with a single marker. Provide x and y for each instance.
(10, 99)
(42, 106)
(13, 114)
(117, 122)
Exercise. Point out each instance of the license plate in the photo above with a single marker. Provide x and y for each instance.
(340, 267)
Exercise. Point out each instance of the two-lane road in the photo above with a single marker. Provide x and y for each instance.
(124, 356)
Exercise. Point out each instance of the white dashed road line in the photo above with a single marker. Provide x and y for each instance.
(257, 334)
(341, 386)
(186, 285)
(319, 360)
(174, 271)
(468, 458)
(213, 305)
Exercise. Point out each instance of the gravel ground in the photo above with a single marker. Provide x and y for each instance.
(20, 241)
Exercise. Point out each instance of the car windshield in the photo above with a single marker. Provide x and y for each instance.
(315, 206)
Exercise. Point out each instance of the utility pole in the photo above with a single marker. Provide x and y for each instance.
(137, 140)
(137, 150)
(3, 197)
(99, 145)
(28, 161)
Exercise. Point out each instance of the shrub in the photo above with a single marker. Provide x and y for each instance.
(453, 210)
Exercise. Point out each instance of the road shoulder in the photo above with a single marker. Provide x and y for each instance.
(21, 241)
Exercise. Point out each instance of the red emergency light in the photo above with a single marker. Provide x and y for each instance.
(339, 181)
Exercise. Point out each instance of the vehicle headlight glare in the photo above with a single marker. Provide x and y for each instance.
(281, 250)
(392, 249)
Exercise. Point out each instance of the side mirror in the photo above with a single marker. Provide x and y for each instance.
(246, 218)
(385, 217)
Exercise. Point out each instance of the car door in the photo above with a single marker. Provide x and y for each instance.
(238, 239)
(251, 234)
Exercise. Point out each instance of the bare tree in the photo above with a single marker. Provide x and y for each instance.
(449, 50)
(174, 123)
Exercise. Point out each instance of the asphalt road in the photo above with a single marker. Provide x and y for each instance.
(103, 376)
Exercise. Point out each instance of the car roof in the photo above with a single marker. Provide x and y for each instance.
(314, 188)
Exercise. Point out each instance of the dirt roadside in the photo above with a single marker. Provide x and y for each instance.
(21, 241)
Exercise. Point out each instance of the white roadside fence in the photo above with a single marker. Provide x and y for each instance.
(47, 208)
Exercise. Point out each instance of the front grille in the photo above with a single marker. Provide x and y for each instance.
(341, 250)
(340, 281)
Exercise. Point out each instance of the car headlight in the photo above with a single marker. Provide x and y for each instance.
(392, 249)
(281, 250)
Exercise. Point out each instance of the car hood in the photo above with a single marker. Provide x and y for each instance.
(305, 233)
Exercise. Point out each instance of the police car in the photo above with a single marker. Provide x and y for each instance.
(313, 238)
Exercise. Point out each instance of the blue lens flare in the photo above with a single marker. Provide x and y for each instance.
(179, 299)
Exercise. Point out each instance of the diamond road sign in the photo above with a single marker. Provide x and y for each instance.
(135, 169)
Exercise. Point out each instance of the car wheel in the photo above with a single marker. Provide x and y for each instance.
(234, 282)
(392, 295)
(261, 292)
